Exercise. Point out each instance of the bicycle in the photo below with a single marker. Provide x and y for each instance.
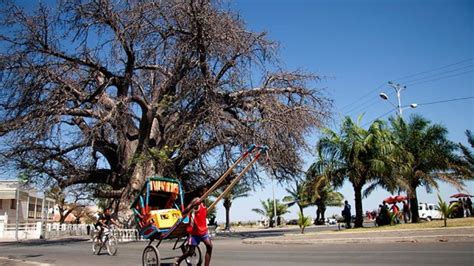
(108, 240)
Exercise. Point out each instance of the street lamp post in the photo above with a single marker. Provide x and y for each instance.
(398, 89)
(274, 202)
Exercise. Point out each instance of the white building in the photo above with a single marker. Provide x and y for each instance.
(32, 206)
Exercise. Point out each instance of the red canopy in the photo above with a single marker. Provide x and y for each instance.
(461, 195)
(395, 199)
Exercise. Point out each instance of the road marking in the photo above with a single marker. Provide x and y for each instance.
(22, 262)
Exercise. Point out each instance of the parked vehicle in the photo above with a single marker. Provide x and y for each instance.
(429, 211)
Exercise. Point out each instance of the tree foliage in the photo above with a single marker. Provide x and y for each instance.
(108, 92)
(268, 210)
(319, 187)
(446, 209)
(241, 190)
(298, 195)
(358, 155)
(425, 156)
(468, 155)
(303, 221)
(69, 201)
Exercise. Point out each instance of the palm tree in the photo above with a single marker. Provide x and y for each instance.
(267, 210)
(320, 189)
(446, 209)
(468, 156)
(424, 156)
(239, 191)
(359, 155)
(297, 196)
(303, 221)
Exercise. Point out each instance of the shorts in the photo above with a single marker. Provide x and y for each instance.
(195, 240)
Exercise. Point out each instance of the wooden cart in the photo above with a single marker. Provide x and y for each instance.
(159, 208)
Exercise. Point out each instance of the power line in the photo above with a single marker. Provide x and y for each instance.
(421, 104)
(449, 100)
(445, 77)
(434, 69)
(439, 74)
(406, 77)
(363, 96)
(380, 116)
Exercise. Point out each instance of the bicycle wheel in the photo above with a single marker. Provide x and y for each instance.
(95, 245)
(151, 256)
(112, 245)
(195, 258)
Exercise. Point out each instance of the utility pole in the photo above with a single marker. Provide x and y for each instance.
(398, 88)
(274, 201)
(17, 209)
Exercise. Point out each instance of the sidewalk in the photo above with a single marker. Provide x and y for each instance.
(29, 242)
(454, 234)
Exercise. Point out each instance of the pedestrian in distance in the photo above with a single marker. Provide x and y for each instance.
(197, 229)
(466, 208)
(346, 213)
(469, 205)
(460, 209)
(406, 212)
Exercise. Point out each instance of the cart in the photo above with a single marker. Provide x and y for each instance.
(158, 211)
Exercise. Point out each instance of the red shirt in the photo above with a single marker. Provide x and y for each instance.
(197, 221)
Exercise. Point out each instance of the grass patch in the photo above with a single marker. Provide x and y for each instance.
(459, 222)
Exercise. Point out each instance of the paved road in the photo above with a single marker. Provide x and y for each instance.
(230, 251)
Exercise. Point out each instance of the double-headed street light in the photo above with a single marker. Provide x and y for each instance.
(398, 88)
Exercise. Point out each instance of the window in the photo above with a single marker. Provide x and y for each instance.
(1, 204)
(430, 207)
(13, 204)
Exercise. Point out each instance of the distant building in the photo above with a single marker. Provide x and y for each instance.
(32, 205)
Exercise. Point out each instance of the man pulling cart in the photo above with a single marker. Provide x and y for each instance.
(160, 214)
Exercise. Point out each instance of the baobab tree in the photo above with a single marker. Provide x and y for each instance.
(109, 92)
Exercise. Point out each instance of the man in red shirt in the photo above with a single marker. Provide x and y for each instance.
(197, 229)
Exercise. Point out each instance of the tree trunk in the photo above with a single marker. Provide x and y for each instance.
(227, 217)
(301, 210)
(323, 210)
(415, 217)
(318, 211)
(358, 206)
(445, 222)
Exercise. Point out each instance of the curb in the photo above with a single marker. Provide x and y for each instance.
(411, 239)
(346, 231)
(44, 241)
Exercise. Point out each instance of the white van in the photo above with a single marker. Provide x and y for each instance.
(429, 211)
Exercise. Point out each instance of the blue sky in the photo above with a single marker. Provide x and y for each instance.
(359, 46)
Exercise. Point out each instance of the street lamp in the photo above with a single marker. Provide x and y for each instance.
(398, 88)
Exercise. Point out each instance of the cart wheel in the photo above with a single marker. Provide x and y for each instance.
(196, 258)
(95, 245)
(112, 245)
(151, 256)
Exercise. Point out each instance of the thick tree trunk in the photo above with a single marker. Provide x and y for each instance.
(227, 218)
(415, 216)
(323, 210)
(318, 212)
(358, 206)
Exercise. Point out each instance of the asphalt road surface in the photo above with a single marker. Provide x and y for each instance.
(230, 251)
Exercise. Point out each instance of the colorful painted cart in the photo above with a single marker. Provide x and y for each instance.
(159, 208)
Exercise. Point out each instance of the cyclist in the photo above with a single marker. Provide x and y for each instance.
(104, 221)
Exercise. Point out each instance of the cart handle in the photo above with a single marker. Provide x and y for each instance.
(250, 149)
(237, 179)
